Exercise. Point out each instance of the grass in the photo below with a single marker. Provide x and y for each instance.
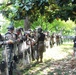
(54, 62)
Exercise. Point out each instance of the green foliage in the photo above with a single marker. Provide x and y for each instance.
(19, 23)
(4, 26)
(63, 2)
(49, 14)
(18, 9)
(53, 9)
(41, 21)
(57, 25)
(16, 24)
(2, 7)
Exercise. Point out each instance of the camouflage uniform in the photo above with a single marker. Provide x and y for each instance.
(74, 46)
(1, 39)
(40, 44)
(19, 36)
(9, 49)
(33, 46)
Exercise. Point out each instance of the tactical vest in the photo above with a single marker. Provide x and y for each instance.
(41, 37)
(10, 36)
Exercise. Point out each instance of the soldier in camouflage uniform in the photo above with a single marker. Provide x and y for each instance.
(40, 44)
(1, 39)
(9, 49)
(19, 36)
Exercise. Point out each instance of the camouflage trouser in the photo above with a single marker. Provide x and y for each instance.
(7, 55)
(6, 58)
(9, 52)
(34, 52)
(40, 50)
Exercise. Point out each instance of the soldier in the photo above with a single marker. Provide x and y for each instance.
(58, 39)
(19, 36)
(26, 49)
(10, 49)
(74, 46)
(40, 44)
(53, 40)
(1, 39)
(33, 46)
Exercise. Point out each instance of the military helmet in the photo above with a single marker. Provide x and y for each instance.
(18, 29)
(39, 30)
(10, 27)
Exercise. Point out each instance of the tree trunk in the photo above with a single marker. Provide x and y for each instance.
(26, 23)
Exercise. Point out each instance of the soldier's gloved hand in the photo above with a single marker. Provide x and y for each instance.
(10, 42)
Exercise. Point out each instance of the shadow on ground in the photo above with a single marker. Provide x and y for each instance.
(50, 67)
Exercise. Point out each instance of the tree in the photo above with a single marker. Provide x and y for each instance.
(19, 9)
(16, 10)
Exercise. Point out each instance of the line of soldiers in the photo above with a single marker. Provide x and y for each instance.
(56, 39)
(21, 46)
